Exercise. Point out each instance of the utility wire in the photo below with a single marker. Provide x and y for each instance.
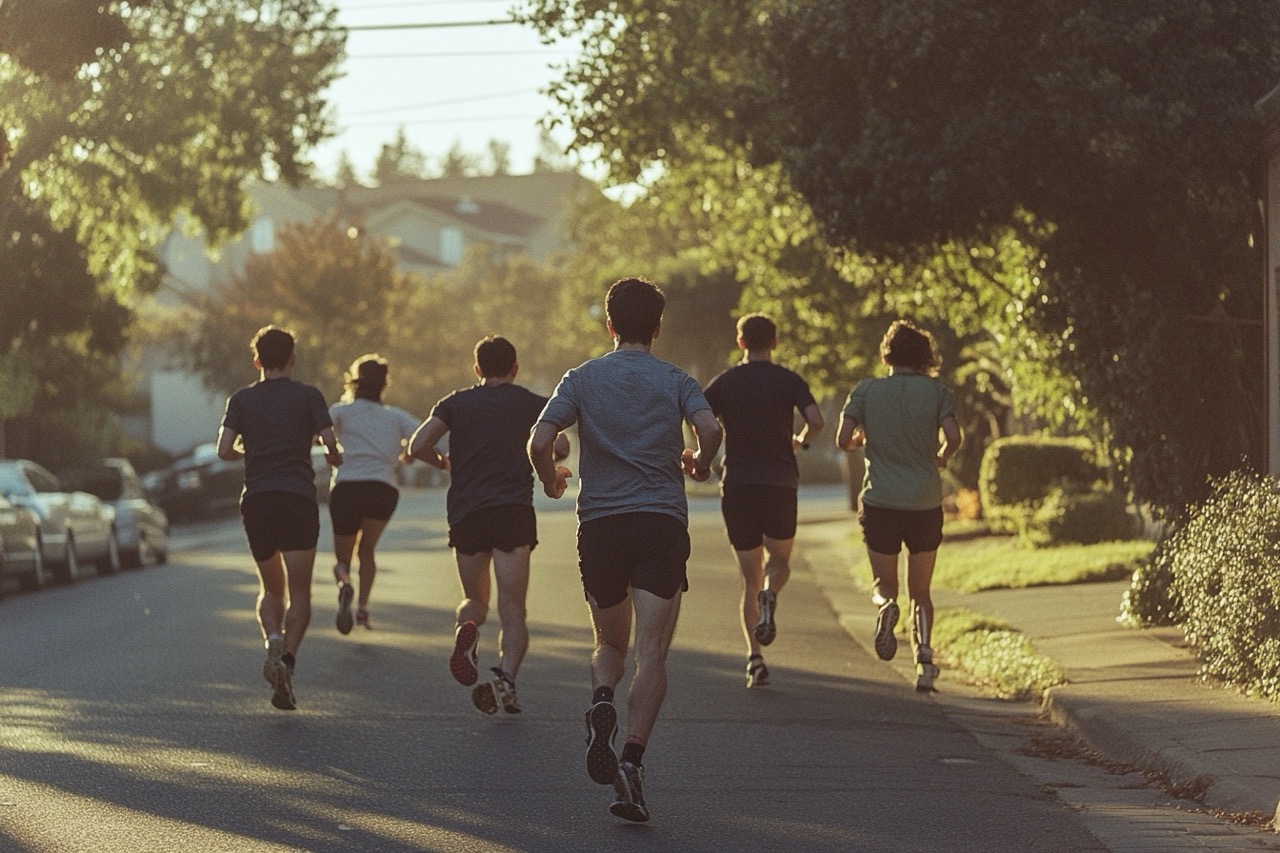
(447, 103)
(434, 25)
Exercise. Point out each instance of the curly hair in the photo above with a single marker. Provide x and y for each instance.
(906, 345)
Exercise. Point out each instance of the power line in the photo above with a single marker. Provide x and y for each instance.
(458, 54)
(451, 120)
(446, 103)
(434, 25)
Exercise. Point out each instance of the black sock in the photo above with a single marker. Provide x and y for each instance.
(288, 660)
(602, 694)
(633, 752)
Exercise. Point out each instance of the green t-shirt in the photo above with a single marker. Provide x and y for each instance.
(901, 415)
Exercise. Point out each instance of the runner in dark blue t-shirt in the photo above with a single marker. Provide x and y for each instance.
(756, 401)
(272, 425)
(490, 511)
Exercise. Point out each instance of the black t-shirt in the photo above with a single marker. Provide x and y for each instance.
(489, 429)
(756, 402)
(278, 420)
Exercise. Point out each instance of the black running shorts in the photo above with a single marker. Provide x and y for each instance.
(638, 550)
(753, 512)
(495, 528)
(887, 530)
(279, 521)
(353, 501)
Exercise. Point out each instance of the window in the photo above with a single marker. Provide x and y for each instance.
(451, 246)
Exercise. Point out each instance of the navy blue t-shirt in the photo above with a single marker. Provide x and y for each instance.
(756, 401)
(489, 429)
(278, 420)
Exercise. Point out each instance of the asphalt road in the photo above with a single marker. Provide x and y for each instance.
(134, 717)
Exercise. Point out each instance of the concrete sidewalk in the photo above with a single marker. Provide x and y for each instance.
(1131, 694)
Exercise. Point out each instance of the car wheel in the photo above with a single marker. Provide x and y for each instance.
(37, 577)
(66, 571)
(110, 562)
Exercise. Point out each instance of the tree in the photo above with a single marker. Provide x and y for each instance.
(459, 163)
(499, 157)
(1111, 138)
(398, 160)
(345, 172)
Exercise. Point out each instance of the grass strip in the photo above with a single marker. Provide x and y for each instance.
(993, 654)
(999, 562)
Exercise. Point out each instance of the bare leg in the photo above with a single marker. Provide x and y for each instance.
(884, 577)
(612, 628)
(343, 547)
(473, 572)
(655, 626)
(777, 568)
(271, 595)
(298, 568)
(919, 581)
(751, 565)
(370, 532)
(511, 570)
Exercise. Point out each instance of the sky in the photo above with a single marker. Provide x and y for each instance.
(445, 86)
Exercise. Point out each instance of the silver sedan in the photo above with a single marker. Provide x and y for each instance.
(74, 526)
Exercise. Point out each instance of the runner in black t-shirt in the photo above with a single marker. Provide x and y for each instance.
(756, 401)
(490, 511)
(272, 424)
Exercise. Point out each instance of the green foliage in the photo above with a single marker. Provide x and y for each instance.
(1152, 598)
(1019, 472)
(1001, 562)
(908, 127)
(994, 655)
(1083, 518)
(169, 120)
(1225, 568)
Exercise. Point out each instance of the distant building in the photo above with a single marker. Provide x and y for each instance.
(428, 223)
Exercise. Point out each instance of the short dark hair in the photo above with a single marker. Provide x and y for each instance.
(634, 308)
(906, 345)
(757, 331)
(272, 346)
(367, 378)
(495, 356)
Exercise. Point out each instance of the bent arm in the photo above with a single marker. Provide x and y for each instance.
(561, 448)
(952, 438)
(332, 450)
(813, 424)
(542, 445)
(227, 445)
(708, 434)
(423, 443)
(850, 435)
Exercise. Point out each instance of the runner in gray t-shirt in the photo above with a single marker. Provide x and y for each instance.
(633, 537)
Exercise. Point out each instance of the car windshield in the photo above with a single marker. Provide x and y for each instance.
(12, 483)
(104, 483)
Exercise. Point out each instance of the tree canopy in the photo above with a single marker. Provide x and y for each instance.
(1114, 141)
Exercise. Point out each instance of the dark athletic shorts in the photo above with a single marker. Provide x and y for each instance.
(640, 550)
(355, 500)
(495, 528)
(279, 521)
(886, 530)
(754, 511)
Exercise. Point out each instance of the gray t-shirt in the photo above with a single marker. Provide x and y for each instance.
(630, 408)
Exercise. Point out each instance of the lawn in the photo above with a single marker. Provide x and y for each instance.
(998, 562)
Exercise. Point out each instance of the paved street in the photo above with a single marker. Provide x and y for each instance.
(133, 716)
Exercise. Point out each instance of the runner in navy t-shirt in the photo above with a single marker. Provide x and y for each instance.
(756, 401)
(275, 420)
(490, 510)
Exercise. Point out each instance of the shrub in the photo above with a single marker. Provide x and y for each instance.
(1019, 472)
(1225, 568)
(1083, 519)
(1151, 599)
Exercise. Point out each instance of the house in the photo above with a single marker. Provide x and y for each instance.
(429, 224)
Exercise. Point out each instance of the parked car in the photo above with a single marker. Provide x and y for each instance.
(74, 526)
(142, 528)
(20, 554)
(198, 485)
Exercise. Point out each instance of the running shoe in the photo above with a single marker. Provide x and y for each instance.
(886, 620)
(629, 786)
(345, 620)
(766, 630)
(275, 658)
(362, 619)
(602, 728)
(485, 697)
(505, 686)
(463, 661)
(757, 672)
(926, 671)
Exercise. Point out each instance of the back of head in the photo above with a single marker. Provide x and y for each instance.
(273, 347)
(907, 346)
(495, 356)
(757, 332)
(367, 378)
(634, 308)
